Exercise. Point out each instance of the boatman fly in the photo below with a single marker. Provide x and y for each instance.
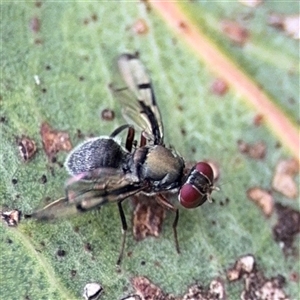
(103, 170)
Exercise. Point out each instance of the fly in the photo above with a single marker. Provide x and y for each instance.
(103, 170)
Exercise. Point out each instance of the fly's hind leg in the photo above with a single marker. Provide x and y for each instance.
(130, 136)
(124, 231)
(163, 201)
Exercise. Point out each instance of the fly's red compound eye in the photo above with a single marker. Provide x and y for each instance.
(205, 169)
(197, 187)
(189, 196)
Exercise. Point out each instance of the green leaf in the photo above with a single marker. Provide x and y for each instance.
(72, 47)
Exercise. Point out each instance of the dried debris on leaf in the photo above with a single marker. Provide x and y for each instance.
(287, 226)
(54, 140)
(256, 150)
(11, 218)
(263, 199)
(256, 285)
(235, 32)
(27, 147)
(283, 180)
(147, 290)
(216, 291)
(92, 291)
(148, 217)
(290, 24)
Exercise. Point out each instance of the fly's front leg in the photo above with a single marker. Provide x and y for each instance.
(124, 231)
(162, 200)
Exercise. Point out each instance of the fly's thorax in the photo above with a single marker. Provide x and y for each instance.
(160, 166)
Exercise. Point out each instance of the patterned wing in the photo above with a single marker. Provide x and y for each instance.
(137, 98)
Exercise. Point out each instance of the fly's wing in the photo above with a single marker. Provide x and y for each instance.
(137, 98)
(83, 194)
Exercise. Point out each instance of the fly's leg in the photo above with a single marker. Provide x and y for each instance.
(124, 231)
(162, 200)
(143, 141)
(130, 136)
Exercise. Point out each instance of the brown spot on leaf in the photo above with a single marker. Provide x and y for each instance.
(148, 217)
(258, 120)
(256, 150)
(283, 180)
(263, 199)
(107, 114)
(54, 140)
(235, 32)
(219, 87)
(287, 226)
(140, 27)
(35, 25)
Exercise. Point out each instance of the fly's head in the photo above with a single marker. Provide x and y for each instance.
(198, 186)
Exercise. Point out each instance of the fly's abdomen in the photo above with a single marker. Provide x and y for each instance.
(101, 152)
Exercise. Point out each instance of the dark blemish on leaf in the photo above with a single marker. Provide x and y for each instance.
(43, 179)
(42, 243)
(38, 4)
(107, 114)
(61, 253)
(294, 277)
(183, 131)
(48, 68)
(81, 78)
(53, 159)
(14, 181)
(94, 17)
(86, 21)
(44, 90)
(3, 119)
(287, 227)
(17, 196)
(88, 247)
(9, 241)
(180, 107)
(38, 41)
(278, 145)
(143, 263)
(193, 149)
(76, 229)
(73, 273)
(183, 26)
(80, 135)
